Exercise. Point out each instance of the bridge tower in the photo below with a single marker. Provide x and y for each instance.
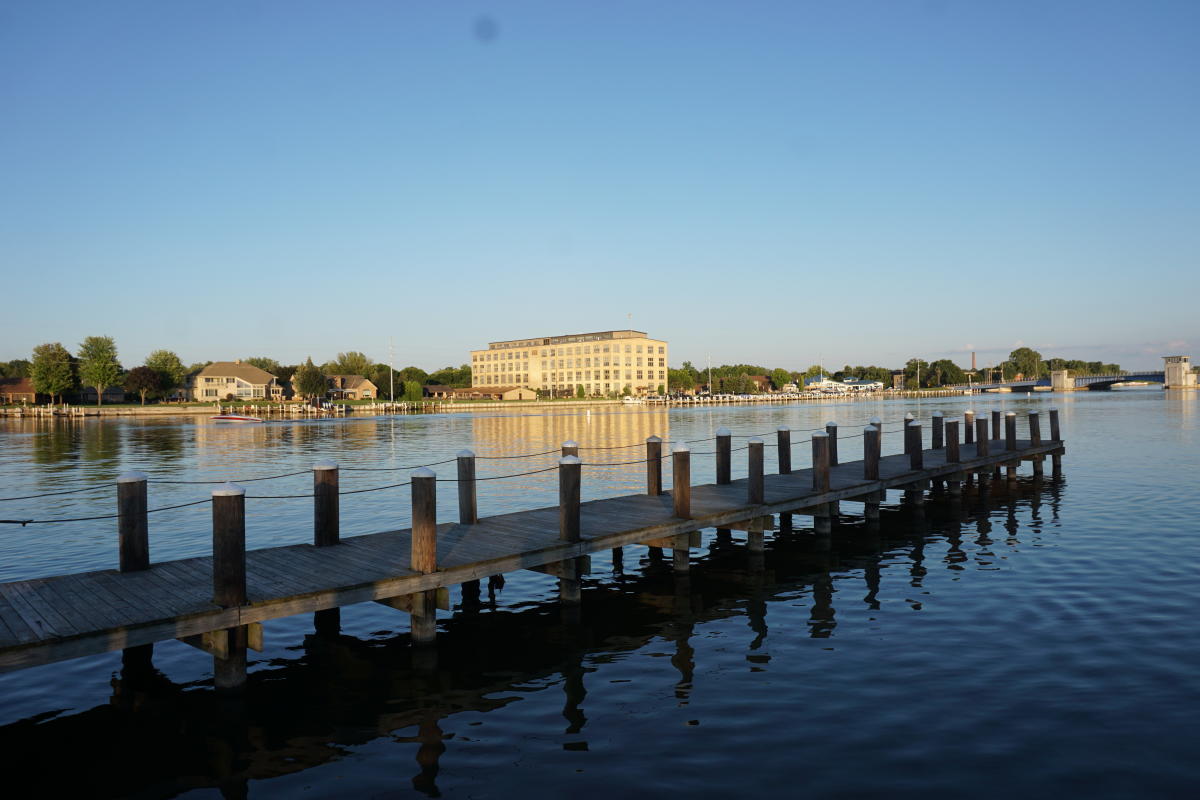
(1177, 373)
(1061, 381)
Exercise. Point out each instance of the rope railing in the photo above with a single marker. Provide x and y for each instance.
(309, 495)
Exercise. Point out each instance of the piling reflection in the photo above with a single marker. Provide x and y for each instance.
(159, 738)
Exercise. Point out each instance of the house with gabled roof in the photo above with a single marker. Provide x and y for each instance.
(351, 387)
(221, 379)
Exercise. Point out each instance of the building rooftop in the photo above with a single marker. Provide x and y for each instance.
(571, 338)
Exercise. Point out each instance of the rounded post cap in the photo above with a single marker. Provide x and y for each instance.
(650, 439)
(680, 447)
(909, 415)
(723, 431)
(754, 440)
(784, 429)
(937, 414)
(870, 429)
(423, 472)
(465, 454)
(132, 477)
(1052, 408)
(875, 421)
(1011, 414)
(323, 465)
(570, 443)
(228, 489)
(912, 423)
(830, 424)
(820, 435)
(567, 461)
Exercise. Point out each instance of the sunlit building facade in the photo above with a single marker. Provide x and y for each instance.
(603, 363)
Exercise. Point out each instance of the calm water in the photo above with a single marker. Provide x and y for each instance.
(1043, 641)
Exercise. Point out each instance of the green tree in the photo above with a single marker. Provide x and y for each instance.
(412, 374)
(944, 371)
(171, 371)
(780, 377)
(142, 381)
(352, 363)
(381, 376)
(412, 391)
(98, 365)
(265, 364)
(52, 370)
(1025, 362)
(681, 379)
(17, 368)
(459, 377)
(579, 391)
(309, 381)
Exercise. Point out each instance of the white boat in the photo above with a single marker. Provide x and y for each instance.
(235, 418)
(630, 400)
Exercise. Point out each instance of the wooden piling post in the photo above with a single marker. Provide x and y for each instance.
(755, 493)
(133, 528)
(681, 480)
(968, 427)
(877, 423)
(424, 520)
(326, 524)
(570, 448)
(653, 466)
(820, 460)
(996, 425)
(871, 453)
(1010, 431)
(953, 456)
(981, 437)
(871, 471)
(783, 437)
(1035, 438)
(952, 453)
(423, 613)
(724, 455)
(229, 545)
(569, 475)
(916, 455)
(831, 430)
(468, 508)
(936, 427)
(1055, 433)
(908, 420)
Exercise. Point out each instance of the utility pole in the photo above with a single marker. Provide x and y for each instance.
(391, 369)
(709, 357)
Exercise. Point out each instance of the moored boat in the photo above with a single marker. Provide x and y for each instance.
(235, 418)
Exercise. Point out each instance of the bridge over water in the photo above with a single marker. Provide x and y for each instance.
(1176, 374)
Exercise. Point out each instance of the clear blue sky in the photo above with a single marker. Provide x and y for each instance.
(770, 182)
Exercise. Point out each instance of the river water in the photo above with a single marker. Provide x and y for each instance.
(1042, 641)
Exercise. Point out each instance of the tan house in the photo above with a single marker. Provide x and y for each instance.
(223, 378)
(351, 387)
(17, 390)
(495, 393)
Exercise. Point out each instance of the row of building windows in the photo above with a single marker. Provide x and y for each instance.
(572, 363)
(553, 351)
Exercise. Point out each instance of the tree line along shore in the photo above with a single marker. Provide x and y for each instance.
(57, 373)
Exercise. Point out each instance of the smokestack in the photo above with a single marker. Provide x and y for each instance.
(972, 361)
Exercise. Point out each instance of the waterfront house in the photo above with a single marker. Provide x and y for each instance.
(437, 392)
(351, 387)
(112, 394)
(19, 390)
(221, 379)
(495, 393)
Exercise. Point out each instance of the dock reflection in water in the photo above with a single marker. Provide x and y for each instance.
(341, 694)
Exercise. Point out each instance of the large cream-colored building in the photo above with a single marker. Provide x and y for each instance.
(602, 363)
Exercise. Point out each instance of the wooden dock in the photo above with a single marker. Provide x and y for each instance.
(218, 602)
